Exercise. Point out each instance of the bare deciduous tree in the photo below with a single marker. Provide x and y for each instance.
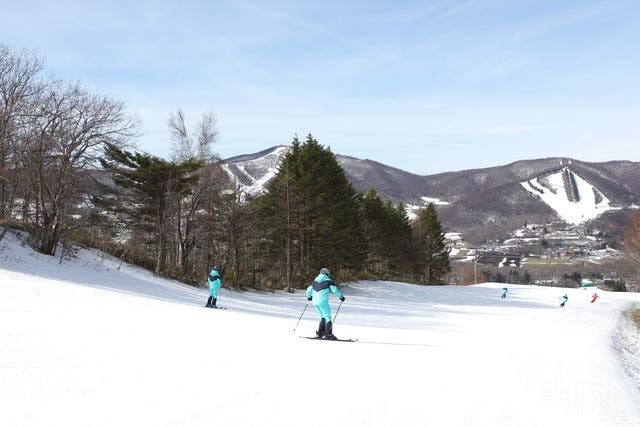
(197, 146)
(18, 87)
(68, 129)
(632, 238)
(234, 226)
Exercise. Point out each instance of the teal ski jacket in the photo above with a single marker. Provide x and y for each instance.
(214, 283)
(319, 290)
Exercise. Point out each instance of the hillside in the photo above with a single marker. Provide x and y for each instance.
(489, 198)
(85, 344)
(572, 198)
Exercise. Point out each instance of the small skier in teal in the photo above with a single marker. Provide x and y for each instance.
(215, 282)
(318, 292)
(505, 292)
(564, 299)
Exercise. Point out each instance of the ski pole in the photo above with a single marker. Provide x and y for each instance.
(337, 311)
(305, 309)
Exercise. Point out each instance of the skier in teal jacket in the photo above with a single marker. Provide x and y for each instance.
(505, 292)
(318, 292)
(215, 281)
(563, 300)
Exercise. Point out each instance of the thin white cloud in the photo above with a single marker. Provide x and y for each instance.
(438, 85)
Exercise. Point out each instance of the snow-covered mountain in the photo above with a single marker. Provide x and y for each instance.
(539, 190)
(250, 173)
(571, 197)
(84, 343)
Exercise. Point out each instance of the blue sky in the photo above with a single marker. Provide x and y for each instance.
(424, 86)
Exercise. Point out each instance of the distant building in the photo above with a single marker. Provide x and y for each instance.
(499, 259)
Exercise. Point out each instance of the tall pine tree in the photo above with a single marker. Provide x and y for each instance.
(152, 188)
(433, 255)
(402, 252)
(388, 235)
(375, 226)
(310, 215)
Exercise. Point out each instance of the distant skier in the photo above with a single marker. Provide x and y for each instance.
(505, 292)
(215, 282)
(318, 292)
(564, 299)
(594, 297)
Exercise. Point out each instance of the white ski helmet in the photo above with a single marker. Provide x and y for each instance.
(325, 270)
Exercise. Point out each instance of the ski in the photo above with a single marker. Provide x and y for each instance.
(217, 308)
(324, 339)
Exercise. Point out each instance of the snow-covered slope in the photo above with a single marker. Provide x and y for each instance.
(573, 198)
(412, 210)
(84, 344)
(251, 174)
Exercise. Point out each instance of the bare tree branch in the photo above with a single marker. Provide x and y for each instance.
(67, 133)
(17, 87)
(197, 145)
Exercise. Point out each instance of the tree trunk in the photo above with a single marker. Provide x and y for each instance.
(50, 234)
(161, 258)
(3, 177)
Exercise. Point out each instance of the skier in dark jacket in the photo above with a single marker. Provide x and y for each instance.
(215, 282)
(318, 292)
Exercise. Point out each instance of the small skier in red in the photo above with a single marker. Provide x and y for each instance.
(594, 297)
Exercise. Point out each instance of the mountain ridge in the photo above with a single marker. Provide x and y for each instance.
(483, 197)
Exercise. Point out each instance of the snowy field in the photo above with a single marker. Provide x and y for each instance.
(82, 344)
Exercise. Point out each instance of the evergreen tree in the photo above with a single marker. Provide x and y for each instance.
(374, 226)
(433, 255)
(153, 187)
(388, 235)
(404, 252)
(310, 214)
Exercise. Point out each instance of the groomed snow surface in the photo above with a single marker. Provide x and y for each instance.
(82, 344)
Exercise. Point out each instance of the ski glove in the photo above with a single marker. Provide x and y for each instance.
(342, 299)
(309, 299)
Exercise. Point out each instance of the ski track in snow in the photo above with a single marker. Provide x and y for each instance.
(83, 344)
